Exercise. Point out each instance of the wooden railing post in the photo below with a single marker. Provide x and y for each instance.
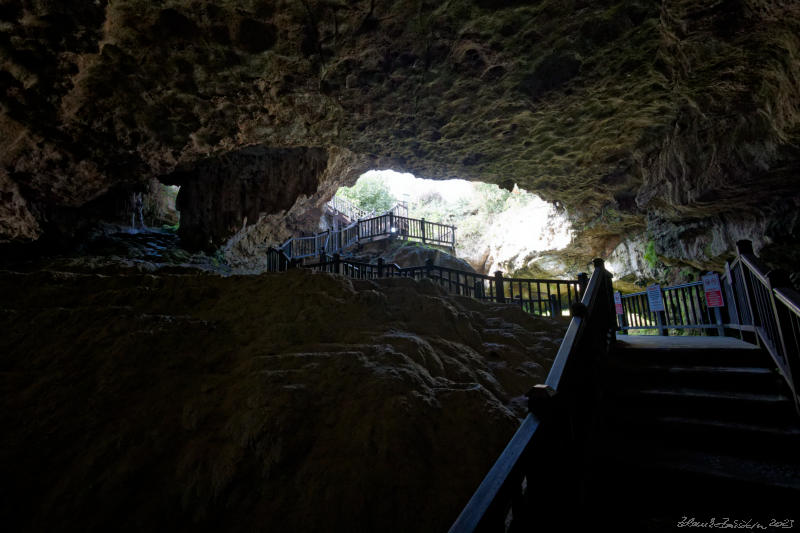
(336, 264)
(380, 267)
(661, 322)
(608, 289)
(499, 291)
(744, 247)
(555, 306)
(422, 229)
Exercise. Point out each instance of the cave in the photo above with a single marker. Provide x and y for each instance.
(205, 326)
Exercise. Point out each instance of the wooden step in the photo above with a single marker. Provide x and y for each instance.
(690, 357)
(678, 401)
(642, 483)
(710, 434)
(732, 378)
(693, 425)
(688, 351)
(645, 454)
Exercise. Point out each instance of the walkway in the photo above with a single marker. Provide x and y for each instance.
(390, 224)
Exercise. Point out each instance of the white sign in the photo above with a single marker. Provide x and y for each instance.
(618, 303)
(655, 299)
(713, 291)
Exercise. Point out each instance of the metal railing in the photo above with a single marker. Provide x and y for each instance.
(545, 296)
(765, 305)
(541, 297)
(346, 208)
(685, 308)
(537, 476)
(277, 261)
(387, 225)
(352, 212)
(759, 305)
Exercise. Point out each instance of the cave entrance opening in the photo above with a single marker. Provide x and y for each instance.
(156, 208)
(496, 229)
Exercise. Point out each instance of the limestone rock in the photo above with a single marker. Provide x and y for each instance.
(658, 111)
(409, 254)
(283, 402)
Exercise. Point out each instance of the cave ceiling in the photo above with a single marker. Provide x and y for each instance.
(630, 114)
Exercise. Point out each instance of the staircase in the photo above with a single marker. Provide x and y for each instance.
(658, 433)
(696, 427)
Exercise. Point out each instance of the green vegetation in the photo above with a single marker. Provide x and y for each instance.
(369, 193)
(688, 274)
(650, 254)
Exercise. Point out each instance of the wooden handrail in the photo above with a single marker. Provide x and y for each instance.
(756, 268)
(519, 471)
(574, 330)
(505, 470)
(790, 298)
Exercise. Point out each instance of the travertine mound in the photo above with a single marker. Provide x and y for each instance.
(408, 254)
(284, 402)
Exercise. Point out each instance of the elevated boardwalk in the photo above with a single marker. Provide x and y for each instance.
(367, 227)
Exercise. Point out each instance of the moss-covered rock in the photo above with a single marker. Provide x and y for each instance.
(657, 110)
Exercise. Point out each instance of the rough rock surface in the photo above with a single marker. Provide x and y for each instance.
(409, 254)
(219, 195)
(644, 114)
(526, 240)
(284, 402)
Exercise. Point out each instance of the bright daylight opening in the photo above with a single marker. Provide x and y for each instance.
(494, 229)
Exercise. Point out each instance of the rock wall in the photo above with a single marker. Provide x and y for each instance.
(284, 402)
(525, 241)
(634, 115)
(219, 195)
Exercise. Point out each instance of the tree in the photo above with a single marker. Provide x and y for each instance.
(369, 193)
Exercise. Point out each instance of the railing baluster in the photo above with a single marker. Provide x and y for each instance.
(558, 291)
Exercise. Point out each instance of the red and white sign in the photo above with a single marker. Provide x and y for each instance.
(618, 303)
(713, 290)
(655, 299)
